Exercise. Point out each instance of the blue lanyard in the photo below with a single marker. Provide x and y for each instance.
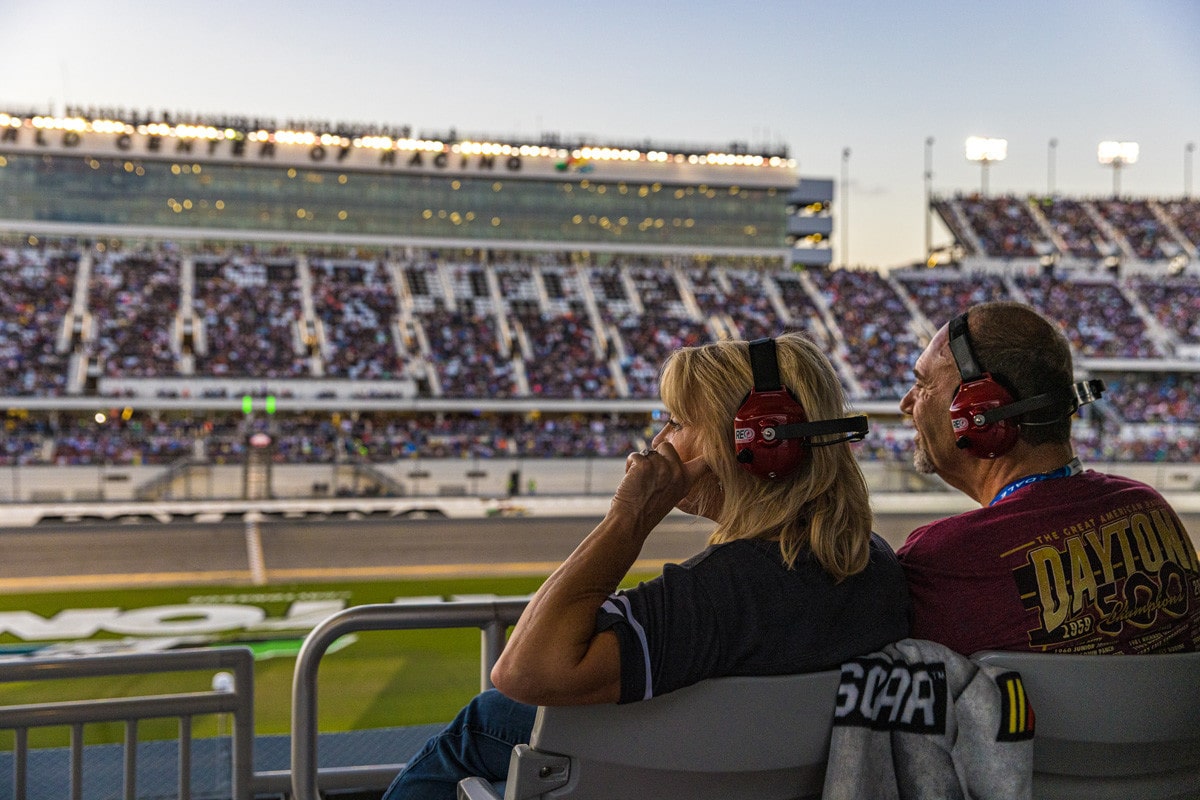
(1073, 467)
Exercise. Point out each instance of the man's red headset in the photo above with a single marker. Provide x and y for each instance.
(771, 431)
(983, 411)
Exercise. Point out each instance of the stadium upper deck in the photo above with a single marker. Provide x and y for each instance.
(228, 179)
(1133, 234)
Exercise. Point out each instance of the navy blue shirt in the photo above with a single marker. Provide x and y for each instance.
(737, 609)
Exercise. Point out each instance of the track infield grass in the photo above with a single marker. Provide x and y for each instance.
(375, 679)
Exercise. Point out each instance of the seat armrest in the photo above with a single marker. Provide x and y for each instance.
(476, 789)
(531, 773)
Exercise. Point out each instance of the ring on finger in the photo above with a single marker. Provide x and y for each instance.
(649, 451)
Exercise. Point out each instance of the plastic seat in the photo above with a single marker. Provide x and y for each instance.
(1111, 726)
(729, 738)
(1107, 727)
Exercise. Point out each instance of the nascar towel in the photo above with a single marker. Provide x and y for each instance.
(917, 721)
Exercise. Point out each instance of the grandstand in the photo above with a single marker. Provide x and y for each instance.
(370, 296)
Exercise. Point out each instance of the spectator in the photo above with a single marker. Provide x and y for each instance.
(1056, 559)
(793, 580)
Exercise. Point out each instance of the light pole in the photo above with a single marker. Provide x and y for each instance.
(1117, 154)
(928, 197)
(1188, 149)
(1051, 153)
(985, 151)
(845, 207)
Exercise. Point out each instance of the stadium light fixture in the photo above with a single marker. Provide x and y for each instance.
(928, 197)
(1051, 152)
(845, 220)
(1188, 149)
(1117, 155)
(986, 150)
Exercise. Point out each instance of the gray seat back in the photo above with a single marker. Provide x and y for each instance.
(1111, 726)
(734, 737)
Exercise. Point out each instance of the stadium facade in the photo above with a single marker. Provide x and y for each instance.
(216, 179)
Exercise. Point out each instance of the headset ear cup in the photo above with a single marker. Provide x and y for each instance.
(972, 399)
(757, 452)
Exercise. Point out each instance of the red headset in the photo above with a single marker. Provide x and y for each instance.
(771, 431)
(983, 411)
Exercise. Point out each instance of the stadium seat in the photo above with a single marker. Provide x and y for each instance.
(1111, 726)
(736, 737)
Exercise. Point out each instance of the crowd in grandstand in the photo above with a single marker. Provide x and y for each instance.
(1174, 303)
(134, 301)
(36, 287)
(1167, 433)
(1134, 229)
(73, 317)
(72, 439)
(1098, 318)
(357, 309)
(1006, 226)
(250, 311)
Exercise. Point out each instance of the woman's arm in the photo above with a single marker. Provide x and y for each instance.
(555, 656)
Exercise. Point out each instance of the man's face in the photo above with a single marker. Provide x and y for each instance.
(928, 403)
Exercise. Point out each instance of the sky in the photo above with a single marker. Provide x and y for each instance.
(877, 78)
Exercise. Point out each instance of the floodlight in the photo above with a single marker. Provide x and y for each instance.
(1117, 155)
(1117, 152)
(985, 151)
(980, 148)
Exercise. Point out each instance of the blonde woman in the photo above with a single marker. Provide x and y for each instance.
(793, 579)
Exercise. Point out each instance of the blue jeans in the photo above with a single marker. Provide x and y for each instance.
(478, 742)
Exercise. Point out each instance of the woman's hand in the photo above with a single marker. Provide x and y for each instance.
(655, 482)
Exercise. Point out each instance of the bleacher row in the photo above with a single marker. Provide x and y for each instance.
(543, 328)
(1085, 231)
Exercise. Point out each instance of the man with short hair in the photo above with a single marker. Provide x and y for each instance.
(1057, 558)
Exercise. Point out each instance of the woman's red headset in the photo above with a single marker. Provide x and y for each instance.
(771, 431)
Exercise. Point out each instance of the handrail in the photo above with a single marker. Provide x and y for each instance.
(492, 617)
(239, 702)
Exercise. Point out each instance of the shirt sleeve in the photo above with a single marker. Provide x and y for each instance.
(667, 631)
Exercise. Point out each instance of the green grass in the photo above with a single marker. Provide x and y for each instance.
(378, 679)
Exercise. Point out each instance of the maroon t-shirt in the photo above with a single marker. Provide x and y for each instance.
(1091, 563)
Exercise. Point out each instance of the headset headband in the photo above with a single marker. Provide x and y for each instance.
(960, 348)
(764, 366)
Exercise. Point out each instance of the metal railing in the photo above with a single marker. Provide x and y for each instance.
(238, 702)
(492, 617)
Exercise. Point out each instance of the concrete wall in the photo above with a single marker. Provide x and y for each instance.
(440, 478)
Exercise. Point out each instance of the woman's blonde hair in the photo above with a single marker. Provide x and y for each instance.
(823, 505)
